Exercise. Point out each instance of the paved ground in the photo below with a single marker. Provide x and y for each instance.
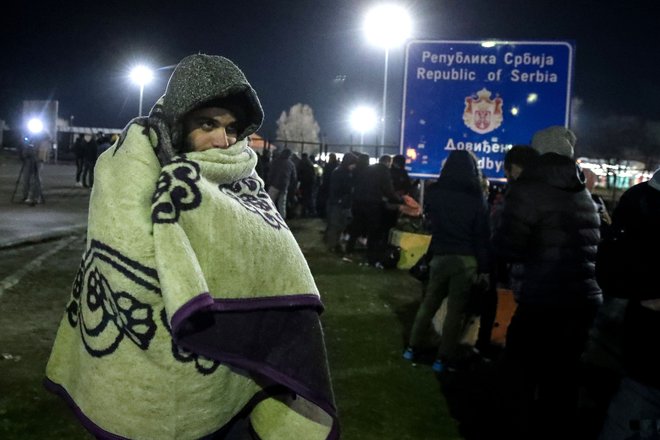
(63, 212)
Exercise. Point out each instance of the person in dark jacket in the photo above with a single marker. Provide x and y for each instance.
(89, 161)
(373, 191)
(79, 153)
(515, 161)
(281, 176)
(324, 188)
(307, 182)
(340, 198)
(550, 231)
(632, 259)
(458, 215)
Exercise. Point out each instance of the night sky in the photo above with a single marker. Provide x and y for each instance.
(293, 51)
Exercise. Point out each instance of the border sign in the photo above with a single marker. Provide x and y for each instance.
(483, 96)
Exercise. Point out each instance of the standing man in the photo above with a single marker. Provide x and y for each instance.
(89, 161)
(281, 176)
(627, 268)
(194, 313)
(374, 193)
(79, 153)
(550, 231)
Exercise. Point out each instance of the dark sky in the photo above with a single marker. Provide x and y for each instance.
(291, 51)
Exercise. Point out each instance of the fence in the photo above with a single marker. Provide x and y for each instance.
(323, 149)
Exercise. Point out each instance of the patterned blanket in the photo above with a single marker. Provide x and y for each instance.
(193, 305)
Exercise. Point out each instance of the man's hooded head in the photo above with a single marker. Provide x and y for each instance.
(210, 81)
(555, 139)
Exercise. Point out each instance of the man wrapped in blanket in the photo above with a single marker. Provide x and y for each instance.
(194, 313)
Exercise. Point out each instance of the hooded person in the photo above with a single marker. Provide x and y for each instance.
(194, 312)
(458, 216)
(549, 231)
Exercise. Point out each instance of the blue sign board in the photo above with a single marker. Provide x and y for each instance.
(483, 96)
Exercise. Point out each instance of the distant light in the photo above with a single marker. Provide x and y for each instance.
(411, 154)
(363, 119)
(387, 25)
(141, 75)
(515, 111)
(532, 98)
(488, 44)
(35, 125)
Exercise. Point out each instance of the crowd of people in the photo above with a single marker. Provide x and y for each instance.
(360, 201)
(540, 234)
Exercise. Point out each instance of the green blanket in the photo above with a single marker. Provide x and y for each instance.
(193, 305)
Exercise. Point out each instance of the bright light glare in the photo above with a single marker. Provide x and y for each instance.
(363, 119)
(488, 44)
(514, 111)
(141, 75)
(35, 125)
(532, 98)
(387, 25)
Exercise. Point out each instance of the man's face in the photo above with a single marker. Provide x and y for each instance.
(513, 173)
(210, 127)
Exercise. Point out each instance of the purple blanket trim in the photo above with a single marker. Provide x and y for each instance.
(278, 377)
(208, 303)
(201, 301)
(101, 433)
(90, 426)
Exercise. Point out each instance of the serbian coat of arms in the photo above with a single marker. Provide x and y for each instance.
(483, 115)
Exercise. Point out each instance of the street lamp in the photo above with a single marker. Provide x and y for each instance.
(141, 75)
(387, 26)
(363, 119)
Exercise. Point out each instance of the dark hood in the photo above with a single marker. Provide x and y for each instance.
(555, 170)
(200, 79)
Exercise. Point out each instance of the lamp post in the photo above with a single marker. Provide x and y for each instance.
(387, 26)
(141, 75)
(363, 119)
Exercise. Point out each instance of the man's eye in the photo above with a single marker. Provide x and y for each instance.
(207, 125)
(232, 129)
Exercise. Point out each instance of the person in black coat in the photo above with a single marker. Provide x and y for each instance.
(626, 268)
(373, 193)
(340, 198)
(458, 214)
(550, 231)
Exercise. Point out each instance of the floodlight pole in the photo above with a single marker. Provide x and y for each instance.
(141, 95)
(383, 120)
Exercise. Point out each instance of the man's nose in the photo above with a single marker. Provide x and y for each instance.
(220, 139)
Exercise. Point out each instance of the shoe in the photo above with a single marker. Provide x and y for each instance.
(346, 259)
(29, 201)
(378, 265)
(79, 184)
(409, 354)
(438, 366)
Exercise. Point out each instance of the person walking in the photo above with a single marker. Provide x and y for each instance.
(194, 313)
(31, 173)
(79, 154)
(458, 216)
(549, 231)
(89, 161)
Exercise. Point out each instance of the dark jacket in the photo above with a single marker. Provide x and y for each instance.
(633, 259)
(375, 186)
(282, 173)
(341, 187)
(457, 212)
(550, 226)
